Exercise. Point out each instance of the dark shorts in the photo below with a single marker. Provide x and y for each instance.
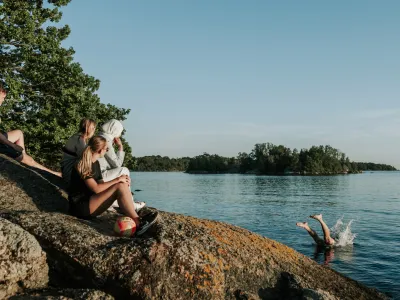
(80, 208)
(7, 150)
(326, 244)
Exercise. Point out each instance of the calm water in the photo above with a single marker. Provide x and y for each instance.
(272, 205)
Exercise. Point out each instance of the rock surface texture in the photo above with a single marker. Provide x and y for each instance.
(64, 294)
(180, 258)
(22, 261)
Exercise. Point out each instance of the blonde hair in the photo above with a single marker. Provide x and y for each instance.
(84, 166)
(84, 127)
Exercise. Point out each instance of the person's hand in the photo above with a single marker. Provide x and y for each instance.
(118, 142)
(137, 222)
(124, 179)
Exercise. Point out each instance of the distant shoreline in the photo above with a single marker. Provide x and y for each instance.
(264, 159)
(254, 173)
(275, 174)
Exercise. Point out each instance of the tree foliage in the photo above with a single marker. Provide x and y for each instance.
(157, 163)
(270, 159)
(207, 163)
(374, 167)
(263, 159)
(48, 91)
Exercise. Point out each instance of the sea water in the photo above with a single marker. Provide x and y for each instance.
(362, 210)
(342, 233)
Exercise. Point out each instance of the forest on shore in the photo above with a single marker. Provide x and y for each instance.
(265, 158)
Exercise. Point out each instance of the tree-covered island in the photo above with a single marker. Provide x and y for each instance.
(264, 159)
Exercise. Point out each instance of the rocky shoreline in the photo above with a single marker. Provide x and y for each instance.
(47, 254)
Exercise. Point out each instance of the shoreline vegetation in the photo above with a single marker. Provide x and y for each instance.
(264, 159)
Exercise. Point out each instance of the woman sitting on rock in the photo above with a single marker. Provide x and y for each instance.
(75, 146)
(111, 164)
(89, 196)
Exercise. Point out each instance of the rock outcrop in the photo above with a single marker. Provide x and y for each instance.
(22, 261)
(180, 258)
(64, 294)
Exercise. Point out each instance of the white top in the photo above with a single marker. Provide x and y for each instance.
(111, 130)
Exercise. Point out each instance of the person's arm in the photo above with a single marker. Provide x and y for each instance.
(98, 187)
(5, 141)
(120, 154)
(115, 160)
(118, 142)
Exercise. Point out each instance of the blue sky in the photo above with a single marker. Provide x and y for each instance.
(220, 76)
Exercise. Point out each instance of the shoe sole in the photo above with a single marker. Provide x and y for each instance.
(148, 226)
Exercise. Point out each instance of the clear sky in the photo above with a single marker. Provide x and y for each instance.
(220, 76)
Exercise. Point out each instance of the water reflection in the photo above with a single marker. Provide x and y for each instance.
(325, 255)
(328, 254)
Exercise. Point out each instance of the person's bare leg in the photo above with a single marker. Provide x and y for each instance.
(125, 202)
(100, 202)
(16, 137)
(310, 231)
(111, 174)
(327, 233)
(28, 160)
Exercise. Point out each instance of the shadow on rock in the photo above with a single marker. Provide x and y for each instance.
(46, 190)
(285, 289)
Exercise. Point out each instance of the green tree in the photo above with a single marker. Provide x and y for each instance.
(245, 161)
(158, 163)
(48, 91)
(368, 166)
(207, 163)
(277, 160)
(295, 160)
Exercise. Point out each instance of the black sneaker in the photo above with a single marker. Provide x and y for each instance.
(150, 220)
